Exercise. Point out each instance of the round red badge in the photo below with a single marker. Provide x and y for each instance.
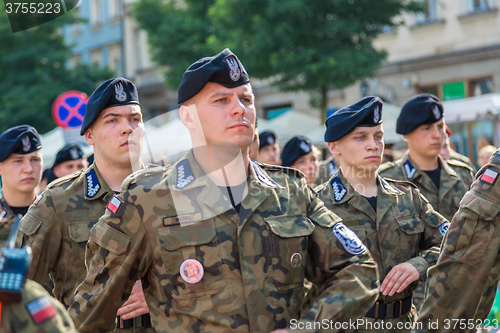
(192, 271)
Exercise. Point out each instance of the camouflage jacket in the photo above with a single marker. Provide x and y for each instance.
(455, 180)
(326, 170)
(405, 227)
(207, 268)
(57, 227)
(6, 217)
(462, 285)
(36, 313)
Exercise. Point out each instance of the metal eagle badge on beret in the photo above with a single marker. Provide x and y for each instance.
(376, 115)
(270, 140)
(339, 190)
(26, 143)
(120, 93)
(349, 240)
(435, 111)
(305, 147)
(93, 185)
(74, 153)
(234, 68)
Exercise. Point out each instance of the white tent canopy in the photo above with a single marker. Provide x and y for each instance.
(469, 109)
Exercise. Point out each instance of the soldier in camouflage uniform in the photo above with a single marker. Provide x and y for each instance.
(21, 168)
(443, 183)
(396, 223)
(326, 170)
(461, 287)
(222, 243)
(57, 226)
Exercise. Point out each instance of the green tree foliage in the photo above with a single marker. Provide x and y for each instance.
(305, 45)
(34, 71)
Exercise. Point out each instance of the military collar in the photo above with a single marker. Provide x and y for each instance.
(262, 177)
(94, 184)
(5, 210)
(387, 188)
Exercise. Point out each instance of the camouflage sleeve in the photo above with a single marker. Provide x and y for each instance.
(40, 229)
(435, 225)
(118, 253)
(467, 266)
(343, 270)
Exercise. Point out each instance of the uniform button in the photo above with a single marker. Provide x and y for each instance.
(192, 271)
(296, 260)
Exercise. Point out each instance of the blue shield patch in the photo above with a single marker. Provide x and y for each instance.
(348, 239)
(93, 185)
(339, 190)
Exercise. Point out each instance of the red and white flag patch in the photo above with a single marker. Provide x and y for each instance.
(41, 309)
(489, 176)
(114, 204)
(38, 198)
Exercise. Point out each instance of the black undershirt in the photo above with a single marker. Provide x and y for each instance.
(20, 210)
(435, 175)
(372, 201)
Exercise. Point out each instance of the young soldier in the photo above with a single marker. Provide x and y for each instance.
(213, 259)
(58, 225)
(21, 170)
(443, 183)
(269, 148)
(299, 153)
(461, 287)
(392, 218)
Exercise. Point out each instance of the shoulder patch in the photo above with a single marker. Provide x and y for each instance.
(348, 239)
(443, 228)
(136, 175)
(339, 190)
(38, 198)
(409, 169)
(489, 176)
(114, 205)
(41, 309)
(184, 174)
(93, 185)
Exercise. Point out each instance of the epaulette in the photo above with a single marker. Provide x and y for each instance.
(320, 187)
(287, 170)
(139, 174)
(64, 179)
(460, 164)
(386, 166)
(405, 182)
(495, 157)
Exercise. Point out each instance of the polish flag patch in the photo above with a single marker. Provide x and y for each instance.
(489, 176)
(41, 309)
(38, 198)
(114, 204)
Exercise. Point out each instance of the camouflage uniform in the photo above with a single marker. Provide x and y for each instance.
(463, 283)
(22, 317)
(252, 265)
(404, 228)
(326, 170)
(462, 158)
(57, 227)
(6, 217)
(456, 178)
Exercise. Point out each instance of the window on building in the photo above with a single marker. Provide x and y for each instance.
(480, 87)
(433, 90)
(114, 58)
(77, 27)
(478, 5)
(96, 56)
(113, 8)
(431, 12)
(96, 12)
(75, 60)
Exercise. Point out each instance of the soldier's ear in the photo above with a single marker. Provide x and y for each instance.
(333, 147)
(187, 115)
(88, 136)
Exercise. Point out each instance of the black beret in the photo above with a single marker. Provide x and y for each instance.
(267, 138)
(69, 152)
(113, 92)
(223, 68)
(22, 139)
(418, 110)
(296, 147)
(366, 112)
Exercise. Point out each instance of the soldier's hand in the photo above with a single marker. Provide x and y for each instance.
(399, 278)
(135, 305)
